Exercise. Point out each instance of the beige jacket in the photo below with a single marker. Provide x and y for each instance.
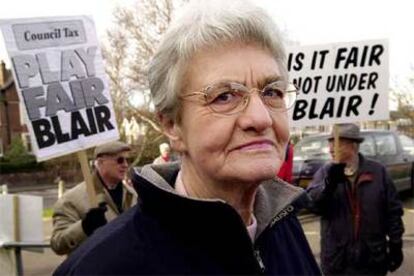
(72, 207)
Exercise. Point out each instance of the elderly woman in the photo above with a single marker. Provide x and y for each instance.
(220, 88)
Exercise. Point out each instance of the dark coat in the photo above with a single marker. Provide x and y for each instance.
(355, 223)
(170, 234)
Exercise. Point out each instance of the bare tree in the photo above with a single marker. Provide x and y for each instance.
(402, 94)
(127, 52)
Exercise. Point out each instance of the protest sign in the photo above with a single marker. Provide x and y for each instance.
(339, 83)
(60, 78)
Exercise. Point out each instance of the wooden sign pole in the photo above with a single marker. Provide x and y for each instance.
(337, 152)
(16, 218)
(90, 188)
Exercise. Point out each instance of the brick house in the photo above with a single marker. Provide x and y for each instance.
(11, 123)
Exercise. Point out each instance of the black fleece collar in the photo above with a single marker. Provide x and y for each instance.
(155, 187)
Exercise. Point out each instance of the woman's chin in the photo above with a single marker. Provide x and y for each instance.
(257, 172)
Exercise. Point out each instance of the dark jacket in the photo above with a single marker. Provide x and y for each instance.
(170, 234)
(355, 222)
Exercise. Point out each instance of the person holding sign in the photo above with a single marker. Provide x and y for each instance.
(361, 225)
(220, 87)
(73, 219)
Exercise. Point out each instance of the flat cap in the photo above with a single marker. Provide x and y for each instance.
(111, 148)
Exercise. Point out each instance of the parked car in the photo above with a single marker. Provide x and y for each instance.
(395, 151)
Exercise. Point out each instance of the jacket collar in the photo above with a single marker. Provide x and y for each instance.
(155, 186)
(103, 195)
(365, 173)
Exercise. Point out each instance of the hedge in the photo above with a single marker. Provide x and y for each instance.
(10, 167)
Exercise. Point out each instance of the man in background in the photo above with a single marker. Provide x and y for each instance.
(165, 154)
(361, 225)
(74, 220)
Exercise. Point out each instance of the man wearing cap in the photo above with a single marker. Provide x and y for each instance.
(361, 225)
(73, 218)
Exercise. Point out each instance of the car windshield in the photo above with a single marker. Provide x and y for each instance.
(312, 148)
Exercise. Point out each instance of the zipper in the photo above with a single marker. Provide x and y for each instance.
(259, 260)
(283, 213)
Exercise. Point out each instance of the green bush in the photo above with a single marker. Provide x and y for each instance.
(17, 159)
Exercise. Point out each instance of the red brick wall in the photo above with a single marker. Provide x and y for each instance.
(9, 105)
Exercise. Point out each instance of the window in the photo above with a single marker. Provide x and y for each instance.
(367, 147)
(312, 148)
(407, 143)
(385, 144)
(27, 142)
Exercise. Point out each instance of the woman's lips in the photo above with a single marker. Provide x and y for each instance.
(257, 145)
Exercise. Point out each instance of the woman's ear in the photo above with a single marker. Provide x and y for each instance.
(173, 131)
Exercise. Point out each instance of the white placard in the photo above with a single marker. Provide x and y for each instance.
(340, 82)
(60, 78)
(6, 219)
(29, 218)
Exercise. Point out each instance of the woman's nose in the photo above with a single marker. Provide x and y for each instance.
(255, 115)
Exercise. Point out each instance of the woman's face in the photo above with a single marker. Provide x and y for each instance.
(244, 147)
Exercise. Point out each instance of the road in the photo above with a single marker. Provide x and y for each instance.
(35, 263)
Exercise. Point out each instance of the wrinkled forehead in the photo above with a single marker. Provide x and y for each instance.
(247, 64)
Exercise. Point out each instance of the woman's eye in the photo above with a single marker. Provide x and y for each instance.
(273, 93)
(224, 97)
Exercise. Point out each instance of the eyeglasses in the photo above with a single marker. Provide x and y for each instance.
(230, 97)
(119, 160)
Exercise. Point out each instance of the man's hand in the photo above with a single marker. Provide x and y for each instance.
(94, 219)
(395, 256)
(335, 175)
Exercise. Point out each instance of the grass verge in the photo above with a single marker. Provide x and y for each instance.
(47, 212)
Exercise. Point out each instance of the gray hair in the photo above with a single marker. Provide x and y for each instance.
(207, 24)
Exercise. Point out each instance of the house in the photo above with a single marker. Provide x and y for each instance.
(11, 123)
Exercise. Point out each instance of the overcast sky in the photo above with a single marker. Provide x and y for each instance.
(305, 21)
